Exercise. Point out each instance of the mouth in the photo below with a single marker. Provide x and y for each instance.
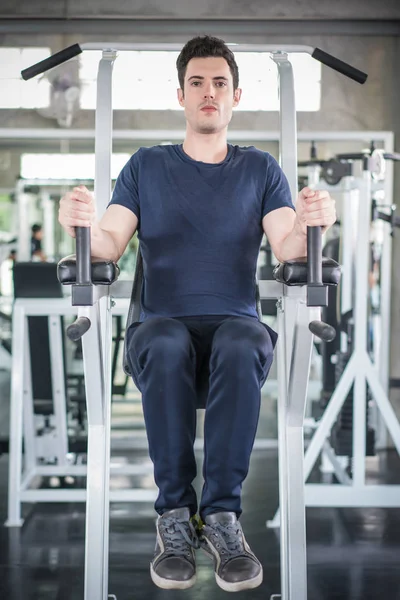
(209, 109)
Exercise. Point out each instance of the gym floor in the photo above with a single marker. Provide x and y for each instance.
(353, 554)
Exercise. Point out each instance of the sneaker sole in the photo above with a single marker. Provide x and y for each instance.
(171, 584)
(238, 586)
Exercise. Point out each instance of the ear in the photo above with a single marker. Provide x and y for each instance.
(236, 97)
(181, 97)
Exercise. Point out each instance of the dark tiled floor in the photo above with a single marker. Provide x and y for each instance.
(352, 554)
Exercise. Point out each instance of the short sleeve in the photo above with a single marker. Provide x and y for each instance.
(126, 190)
(277, 191)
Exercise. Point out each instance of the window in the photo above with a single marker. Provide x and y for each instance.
(148, 81)
(14, 91)
(66, 166)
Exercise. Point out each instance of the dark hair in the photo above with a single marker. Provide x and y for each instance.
(36, 227)
(203, 47)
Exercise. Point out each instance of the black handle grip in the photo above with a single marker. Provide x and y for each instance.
(53, 61)
(83, 263)
(339, 65)
(314, 255)
(322, 330)
(78, 328)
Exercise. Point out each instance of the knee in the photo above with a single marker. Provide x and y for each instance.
(164, 340)
(242, 342)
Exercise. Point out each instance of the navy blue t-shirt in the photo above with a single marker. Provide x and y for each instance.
(200, 227)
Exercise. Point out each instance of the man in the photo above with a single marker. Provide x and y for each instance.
(37, 253)
(201, 209)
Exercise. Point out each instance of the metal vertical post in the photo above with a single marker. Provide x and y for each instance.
(58, 387)
(288, 121)
(97, 504)
(16, 418)
(24, 225)
(349, 237)
(291, 405)
(47, 206)
(360, 332)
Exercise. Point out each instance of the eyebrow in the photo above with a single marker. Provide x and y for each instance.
(214, 78)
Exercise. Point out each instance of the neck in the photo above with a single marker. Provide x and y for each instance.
(208, 148)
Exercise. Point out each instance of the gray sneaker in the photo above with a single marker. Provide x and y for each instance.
(174, 563)
(236, 567)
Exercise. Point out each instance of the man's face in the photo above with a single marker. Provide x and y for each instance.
(208, 96)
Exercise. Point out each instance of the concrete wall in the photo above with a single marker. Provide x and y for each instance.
(223, 9)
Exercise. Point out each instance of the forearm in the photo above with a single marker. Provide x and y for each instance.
(294, 245)
(103, 244)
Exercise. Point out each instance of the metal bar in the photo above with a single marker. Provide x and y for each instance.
(27, 479)
(24, 224)
(106, 324)
(58, 387)
(283, 368)
(329, 417)
(287, 117)
(340, 473)
(349, 229)
(156, 134)
(103, 132)
(29, 425)
(269, 289)
(47, 206)
(386, 281)
(97, 505)
(81, 470)
(16, 418)
(363, 496)
(165, 47)
(360, 327)
(135, 495)
(297, 399)
(300, 365)
(383, 403)
(94, 385)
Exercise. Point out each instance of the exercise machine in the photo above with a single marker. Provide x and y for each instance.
(298, 317)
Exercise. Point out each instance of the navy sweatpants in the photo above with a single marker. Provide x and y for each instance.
(171, 358)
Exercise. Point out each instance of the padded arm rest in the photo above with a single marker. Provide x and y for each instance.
(294, 272)
(104, 272)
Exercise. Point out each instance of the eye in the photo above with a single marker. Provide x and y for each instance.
(195, 83)
(221, 83)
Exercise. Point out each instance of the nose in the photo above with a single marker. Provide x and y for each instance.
(209, 91)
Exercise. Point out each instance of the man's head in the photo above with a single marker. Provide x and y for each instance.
(37, 231)
(209, 84)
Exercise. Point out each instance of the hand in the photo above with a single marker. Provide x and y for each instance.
(315, 207)
(77, 209)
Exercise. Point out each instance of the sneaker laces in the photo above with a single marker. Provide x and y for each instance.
(174, 530)
(228, 536)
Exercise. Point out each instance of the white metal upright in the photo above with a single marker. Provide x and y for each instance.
(96, 345)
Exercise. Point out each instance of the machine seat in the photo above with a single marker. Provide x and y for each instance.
(294, 272)
(104, 272)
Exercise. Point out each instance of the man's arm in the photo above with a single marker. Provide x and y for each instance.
(286, 230)
(110, 236)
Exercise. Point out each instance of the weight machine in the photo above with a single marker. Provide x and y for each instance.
(360, 386)
(299, 320)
